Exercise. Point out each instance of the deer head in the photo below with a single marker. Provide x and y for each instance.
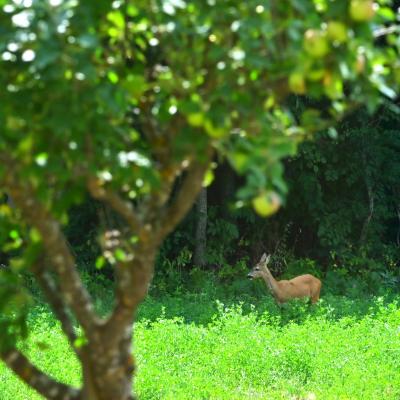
(260, 267)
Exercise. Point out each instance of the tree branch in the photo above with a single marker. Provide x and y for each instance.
(133, 279)
(38, 380)
(52, 293)
(185, 198)
(124, 208)
(72, 289)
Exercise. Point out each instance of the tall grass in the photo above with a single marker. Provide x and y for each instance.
(192, 346)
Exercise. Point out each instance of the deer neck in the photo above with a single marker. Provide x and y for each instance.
(271, 283)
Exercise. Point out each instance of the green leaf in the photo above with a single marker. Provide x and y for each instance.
(80, 341)
(135, 85)
(100, 262)
(120, 255)
(208, 178)
(14, 234)
(117, 18)
(112, 77)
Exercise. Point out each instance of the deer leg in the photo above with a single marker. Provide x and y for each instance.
(315, 298)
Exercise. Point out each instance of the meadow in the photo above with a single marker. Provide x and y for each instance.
(217, 344)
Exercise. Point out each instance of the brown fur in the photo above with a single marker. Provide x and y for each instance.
(285, 290)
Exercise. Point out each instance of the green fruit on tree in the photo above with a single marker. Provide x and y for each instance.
(362, 10)
(315, 43)
(196, 119)
(297, 83)
(266, 203)
(337, 31)
(213, 131)
(315, 74)
(333, 85)
(14, 123)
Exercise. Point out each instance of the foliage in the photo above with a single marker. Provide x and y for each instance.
(328, 203)
(231, 53)
(223, 236)
(191, 346)
(238, 355)
(302, 266)
(132, 103)
(14, 302)
(82, 232)
(329, 182)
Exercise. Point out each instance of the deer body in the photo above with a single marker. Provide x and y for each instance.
(285, 290)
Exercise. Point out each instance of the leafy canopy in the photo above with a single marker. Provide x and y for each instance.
(132, 93)
(115, 88)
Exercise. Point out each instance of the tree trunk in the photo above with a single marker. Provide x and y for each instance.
(108, 363)
(371, 200)
(105, 353)
(201, 229)
(108, 370)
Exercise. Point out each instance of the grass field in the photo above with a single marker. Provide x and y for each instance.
(192, 346)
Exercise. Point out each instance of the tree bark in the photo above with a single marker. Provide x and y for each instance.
(371, 199)
(201, 229)
(37, 379)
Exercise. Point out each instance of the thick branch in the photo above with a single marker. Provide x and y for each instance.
(54, 298)
(38, 380)
(132, 275)
(133, 279)
(34, 213)
(184, 200)
(155, 203)
(124, 208)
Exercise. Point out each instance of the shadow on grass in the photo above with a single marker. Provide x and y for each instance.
(201, 306)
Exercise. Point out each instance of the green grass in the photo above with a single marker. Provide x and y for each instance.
(190, 346)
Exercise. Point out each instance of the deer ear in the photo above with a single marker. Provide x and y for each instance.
(263, 257)
(267, 258)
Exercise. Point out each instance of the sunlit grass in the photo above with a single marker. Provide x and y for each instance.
(341, 349)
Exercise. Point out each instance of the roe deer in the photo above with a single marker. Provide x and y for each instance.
(283, 291)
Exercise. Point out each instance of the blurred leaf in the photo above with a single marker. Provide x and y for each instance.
(208, 178)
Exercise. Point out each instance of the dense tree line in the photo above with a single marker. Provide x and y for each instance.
(342, 207)
(341, 210)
